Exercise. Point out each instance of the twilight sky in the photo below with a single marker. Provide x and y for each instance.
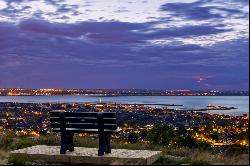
(155, 44)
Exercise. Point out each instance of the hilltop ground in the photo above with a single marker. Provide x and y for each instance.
(171, 155)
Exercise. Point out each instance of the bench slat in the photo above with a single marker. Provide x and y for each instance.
(95, 131)
(84, 114)
(83, 120)
(84, 126)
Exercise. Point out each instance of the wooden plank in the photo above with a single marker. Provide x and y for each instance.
(84, 125)
(84, 114)
(83, 119)
(94, 131)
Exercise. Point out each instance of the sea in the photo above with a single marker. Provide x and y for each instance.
(187, 102)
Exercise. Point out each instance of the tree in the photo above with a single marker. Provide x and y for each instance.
(161, 134)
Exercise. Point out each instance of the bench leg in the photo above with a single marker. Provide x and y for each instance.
(107, 140)
(70, 142)
(102, 144)
(64, 146)
(64, 137)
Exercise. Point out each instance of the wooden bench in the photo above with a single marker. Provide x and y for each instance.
(67, 123)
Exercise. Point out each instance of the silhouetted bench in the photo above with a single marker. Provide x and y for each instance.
(101, 123)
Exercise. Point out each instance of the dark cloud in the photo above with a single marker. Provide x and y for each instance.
(111, 54)
(197, 10)
(190, 11)
(11, 11)
(196, 30)
(54, 2)
(40, 26)
(48, 58)
(67, 8)
(117, 32)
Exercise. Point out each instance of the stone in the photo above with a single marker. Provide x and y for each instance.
(81, 155)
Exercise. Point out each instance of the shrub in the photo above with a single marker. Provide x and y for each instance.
(165, 160)
(177, 151)
(133, 138)
(203, 145)
(161, 134)
(20, 160)
(6, 141)
(50, 140)
(200, 162)
(188, 141)
(24, 143)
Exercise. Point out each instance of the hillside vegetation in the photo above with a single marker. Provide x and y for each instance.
(171, 154)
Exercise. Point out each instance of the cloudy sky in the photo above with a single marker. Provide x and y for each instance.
(155, 44)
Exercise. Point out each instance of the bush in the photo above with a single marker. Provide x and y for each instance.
(188, 141)
(133, 138)
(6, 141)
(17, 160)
(200, 162)
(202, 145)
(164, 160)
(161, 134)
(50, 140)
(178, 151)
(24, 143)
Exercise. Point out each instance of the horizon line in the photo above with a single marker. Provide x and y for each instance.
(1, 88)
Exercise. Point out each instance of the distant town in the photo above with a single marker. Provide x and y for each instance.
(116, 92)
(216, 130)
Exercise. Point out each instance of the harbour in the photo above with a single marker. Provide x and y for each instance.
(195, 103)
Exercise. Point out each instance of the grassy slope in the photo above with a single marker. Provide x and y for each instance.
(171, 155)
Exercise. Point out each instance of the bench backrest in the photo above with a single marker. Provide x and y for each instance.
(83, 120)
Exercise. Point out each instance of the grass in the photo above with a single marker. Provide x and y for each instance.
(18, 160)
(167, 160)
(3, 157)
(200, 162)
(171, 155)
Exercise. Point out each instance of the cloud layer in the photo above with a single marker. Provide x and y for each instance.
(124, 44)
